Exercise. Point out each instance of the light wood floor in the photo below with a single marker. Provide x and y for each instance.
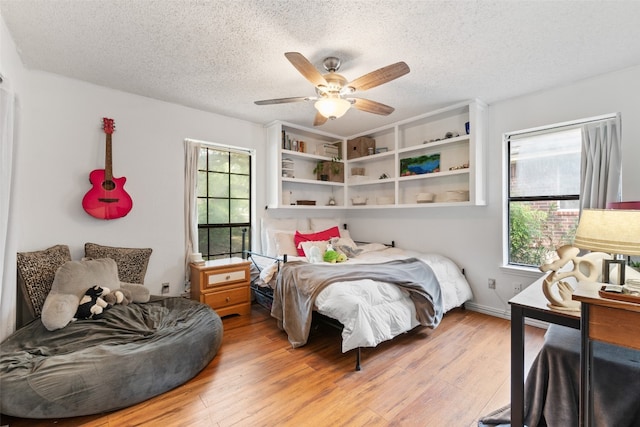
(449, 376)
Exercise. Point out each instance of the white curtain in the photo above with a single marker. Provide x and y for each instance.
(8, 297)
(601, 164)
(191, 152)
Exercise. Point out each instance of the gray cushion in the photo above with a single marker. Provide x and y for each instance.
(69, 285)
(36, 271)
(132, 262)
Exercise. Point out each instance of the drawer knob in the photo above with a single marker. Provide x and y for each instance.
(228, 299)
(228, 277)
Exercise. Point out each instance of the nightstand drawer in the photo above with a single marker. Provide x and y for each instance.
(227, 298)
(223, 284)
(216, 279)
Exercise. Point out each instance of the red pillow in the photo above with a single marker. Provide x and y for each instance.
(314, 237)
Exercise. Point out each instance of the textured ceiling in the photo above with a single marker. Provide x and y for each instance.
(220, 56)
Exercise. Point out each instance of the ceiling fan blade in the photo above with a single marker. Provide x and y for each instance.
(283, 100)
(372, 106)
(305, 68)
(319, 120)
(380, 76)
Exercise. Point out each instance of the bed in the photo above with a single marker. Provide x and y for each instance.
(56, 368)
(379, 293)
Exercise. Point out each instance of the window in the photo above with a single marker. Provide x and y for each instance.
(223, 201)
(543, 192)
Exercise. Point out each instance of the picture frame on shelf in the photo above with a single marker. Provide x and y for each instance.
(419, 165)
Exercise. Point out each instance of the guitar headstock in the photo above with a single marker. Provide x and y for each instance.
(108, 125)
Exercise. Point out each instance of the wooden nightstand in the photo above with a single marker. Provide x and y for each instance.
(223, 284)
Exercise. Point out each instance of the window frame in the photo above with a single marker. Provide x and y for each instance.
(231, 226)
(507, 137)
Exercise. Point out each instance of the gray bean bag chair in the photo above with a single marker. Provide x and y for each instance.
(132, 353)
(55, 367)
(91, 366)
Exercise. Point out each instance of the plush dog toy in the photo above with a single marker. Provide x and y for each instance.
(91, 304)
(119, 296)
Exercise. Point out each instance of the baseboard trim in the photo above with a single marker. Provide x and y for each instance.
(504, 314)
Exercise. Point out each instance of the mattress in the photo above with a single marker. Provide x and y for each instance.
(373, 311)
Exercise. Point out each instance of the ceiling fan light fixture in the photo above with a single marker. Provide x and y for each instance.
(332, 108)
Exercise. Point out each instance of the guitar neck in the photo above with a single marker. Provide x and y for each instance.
(108, 173)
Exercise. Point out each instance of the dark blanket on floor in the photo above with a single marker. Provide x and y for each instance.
(552, 388)
(299, 283)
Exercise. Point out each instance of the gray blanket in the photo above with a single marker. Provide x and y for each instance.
(299, 283)
(553, 385)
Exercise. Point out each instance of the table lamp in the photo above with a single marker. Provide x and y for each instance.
(614, 231)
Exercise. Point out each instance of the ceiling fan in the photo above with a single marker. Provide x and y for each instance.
(333, 90)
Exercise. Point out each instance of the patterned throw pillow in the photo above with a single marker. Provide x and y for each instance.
(132, 262)
(36, 271)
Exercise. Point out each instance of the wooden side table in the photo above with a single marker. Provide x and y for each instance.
(607, 320)
(223, 284)
(529, 303)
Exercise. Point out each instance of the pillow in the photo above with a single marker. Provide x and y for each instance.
(344, 234)
(36, 272)
(307, 245)
(346, 246)
(271, 248)
(321, 235)
(268, 225)
(319, 224)
(285, 245)
(132, 262)
(69, 285)
(139, 293)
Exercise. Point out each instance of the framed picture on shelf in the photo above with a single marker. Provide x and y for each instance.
(428, 163)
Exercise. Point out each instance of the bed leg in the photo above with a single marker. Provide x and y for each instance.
(358, 359)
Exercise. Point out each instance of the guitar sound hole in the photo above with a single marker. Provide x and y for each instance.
(108, 185)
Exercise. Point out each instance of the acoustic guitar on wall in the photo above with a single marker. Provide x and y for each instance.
(107, 199)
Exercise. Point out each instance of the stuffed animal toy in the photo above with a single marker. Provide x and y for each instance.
(315, 256)
(332, 256)
(91, 304)
(119, 296)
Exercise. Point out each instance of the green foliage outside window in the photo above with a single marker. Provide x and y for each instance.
(534, 233)
(223, 202)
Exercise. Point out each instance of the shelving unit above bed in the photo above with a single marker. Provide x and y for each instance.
(439, 154)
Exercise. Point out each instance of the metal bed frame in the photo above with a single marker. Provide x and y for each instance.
(267, 292)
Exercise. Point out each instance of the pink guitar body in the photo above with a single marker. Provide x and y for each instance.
(103, 203)
(107, 199)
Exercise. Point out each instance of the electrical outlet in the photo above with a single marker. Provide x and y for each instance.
(165, 288)
(517, 288)
(492, 283)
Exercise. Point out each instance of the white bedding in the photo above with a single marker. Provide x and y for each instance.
(373, 312)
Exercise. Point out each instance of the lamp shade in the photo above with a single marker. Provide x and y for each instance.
(613, 231)
(332, 108)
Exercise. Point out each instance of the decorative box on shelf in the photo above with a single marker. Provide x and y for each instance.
(359, 147)
(330, 170)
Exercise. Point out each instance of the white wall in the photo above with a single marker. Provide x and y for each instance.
(473, 236)
(60, 142)
(12, 71)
